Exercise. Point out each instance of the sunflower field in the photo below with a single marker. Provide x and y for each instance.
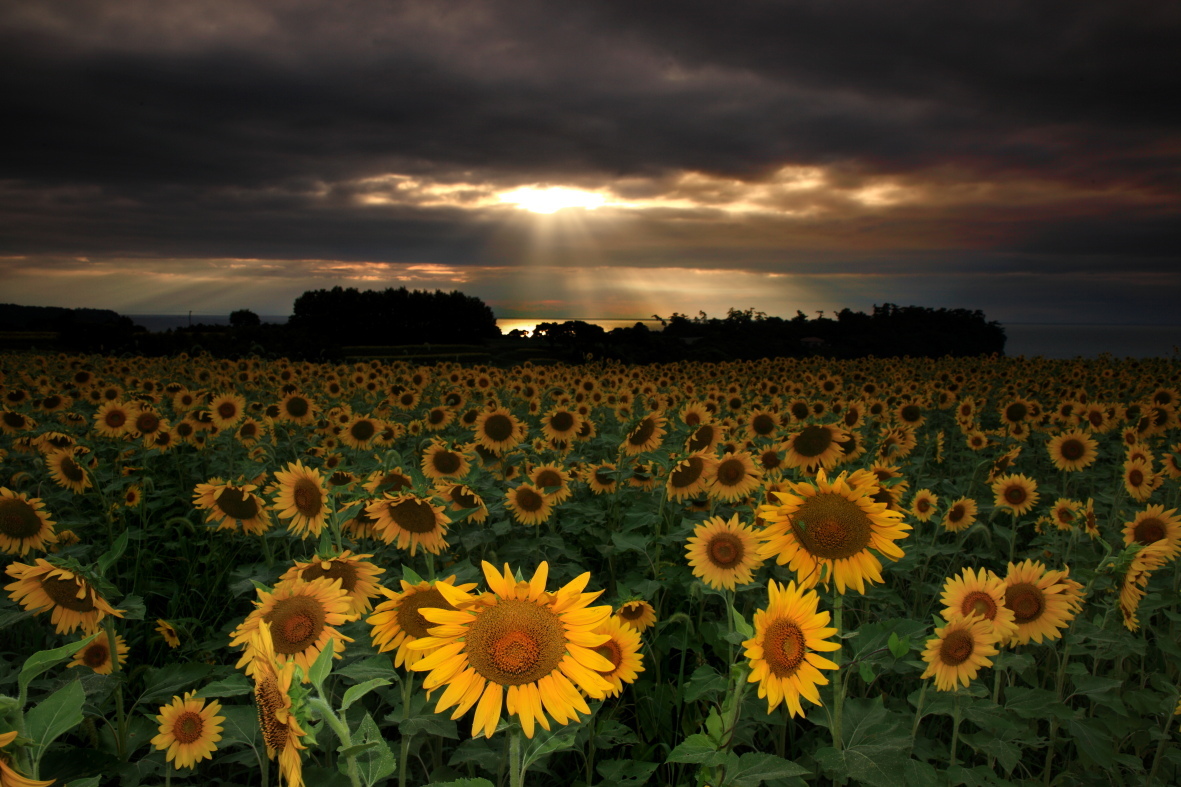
(786, 572)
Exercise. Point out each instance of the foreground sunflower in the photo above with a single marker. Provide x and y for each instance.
(396, 622)
(723, 553)
(300, 617)
(410, 522)
(97, 655)
(1042, 601)
(302, 499)
(622, 649)
(783, 652)
(958, 650)
(1073, 450)
(638, 614)
(9, 777)
(357, 575)
(537, 645)
(1155, 524)
(278, 712)
(1015, 492)
(189, 730)
(1131, 592)
(24, 523)
(43, 586)
(982, 594)
(230, 504)
(960, 515)
(824, 532)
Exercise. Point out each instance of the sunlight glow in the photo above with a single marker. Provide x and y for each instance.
(552, 199)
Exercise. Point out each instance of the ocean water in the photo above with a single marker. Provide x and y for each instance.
(1049, 340)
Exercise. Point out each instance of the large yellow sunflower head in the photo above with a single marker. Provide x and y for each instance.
(189, 730)
(70, 598)
(357, 575)
(622, 649)
(24, 523)
(958, 650)
(723, 553)
(1043, 602)
(396, 622)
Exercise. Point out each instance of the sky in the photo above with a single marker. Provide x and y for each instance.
(601, 158)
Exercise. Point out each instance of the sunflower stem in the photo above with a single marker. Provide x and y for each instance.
(1160, 747)
(918, 714)
(407, 691)
(838, 678)
(516, 774)
(1060, 680)
(341, 731)
(120, 712)
(955, 728)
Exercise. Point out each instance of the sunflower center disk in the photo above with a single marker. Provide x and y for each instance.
(296, 623)
(812, 441)
(562, 422)
(956, 648)
(71, 470)
(18, 519)
(610, 651)
(528, 500)
(731, 472)
(831, 526)
(64, 593)
(1015, 495)
(763, 425)
(515, 642)
(1136, 478)
(237, 504)
(1148, 530)
(297, 408)
(447, 462)
(977, 603)
(641, 433)
(784, 647)
(115, 419)
(362, 431)
(188, 727)
(227, 410)
(498, 427)
(1026, 601)
(269, 700)
(702, 438)
(96, 655)
(411, 620)
(336, 570)
(687, 472)
(1072, 450)
(725, 550)
(307, 498)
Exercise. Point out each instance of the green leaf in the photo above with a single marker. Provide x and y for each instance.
(756, 767)
(377, 761)
(1035, 704)
(630, 542)
(89, 781)
(704, 680)
(240, 726)
(54, 716)
(132, 607)
(409, 575)
(355, 693)
(369, 668)
(233, 686)
(547, 743)
(699, 749)
(167, 682)
(476, 782)
(899, 646)
(108, 558)
(625, 773)
(740, 624)
(42, 660)
(874, 765)
(322, 667)
(430, 723)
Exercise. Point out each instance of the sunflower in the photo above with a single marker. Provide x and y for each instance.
(232, 503)
(462, 498)
(113, 420)
(1147, 560)
(1073, 450)
(498, 430)
(638, 614)
(761, 423)
(783, 652)
(360, 431)
(393, 481)
(1139, 480)
(824, 531)
(10, 777)
(622, 649)
(1003, 463)
(300, 616)
(74, 603)
(396, 622)
(97, 654)
(690, 476)
(410, 522)
(357, 575)
(552, 480)
(302, 499)
(189, 730)
(539, 645)
(734, 477)
(561, 423)
(1042, 601)
(815, 446)
(226, 410)
(440, 461)
(1064, 513)
(24, 523)
(66, 472)
(1155, 524)
(298, 409)
(958, 650)
(923, 504)
(278, 710)
(979, 593)
(646, 435)
(529, 505)
(960, 515)
(1015, 493)
(168, 632)
(723, 553)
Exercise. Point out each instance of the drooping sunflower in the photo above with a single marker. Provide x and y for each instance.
(1073, 450)
(462, 498)
(958, 650)
(9, 777)
(825, 531)
(301, 616)
(441, 461)
(302, 499)
(410, 522)
(645, 435)
(537, 645)
(622, 649)
(1015, 493)
(734, 476)
(1155, 524)
(690, 476)
(24, 523)
(189, 730)
(638, 614)
(278, 710)
(498, 430)
(357, 575)
(528, 504)
(97, 654)
(723, 553)
(168, 632)
(815, 446)
(1139, 480)
(43, 587)
(783, 653)
(704, 438)
(393, 481)
(1042, 601)
(396, 622)
(960, 515)
(66, 471)
(1146, 561)
(923, 504)
(979, 593)
(230, 504)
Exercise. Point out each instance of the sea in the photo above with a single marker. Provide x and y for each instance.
(1048, 340)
